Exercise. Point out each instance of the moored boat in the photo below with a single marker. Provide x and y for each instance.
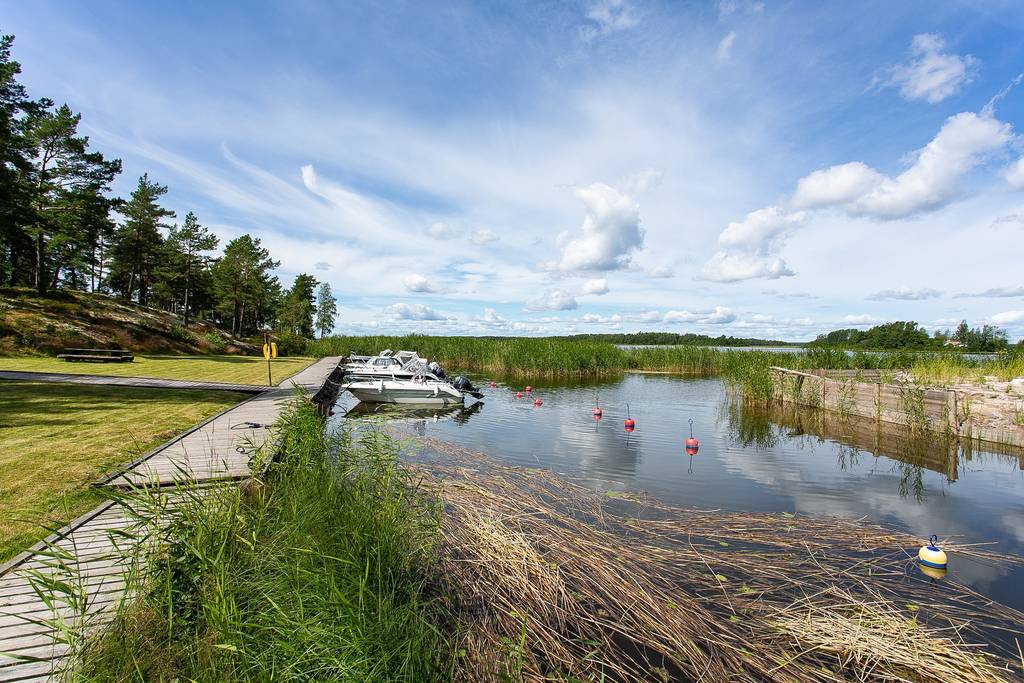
(419, 390)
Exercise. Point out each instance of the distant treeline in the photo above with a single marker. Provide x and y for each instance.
(910, 335)
(60, 227)
(674, 339)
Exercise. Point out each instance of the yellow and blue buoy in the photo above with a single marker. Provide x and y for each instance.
(931, 556)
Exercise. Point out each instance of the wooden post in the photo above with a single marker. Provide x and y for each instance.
(266, 354)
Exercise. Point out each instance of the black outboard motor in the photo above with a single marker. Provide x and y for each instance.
(466, 387)
(435, 368)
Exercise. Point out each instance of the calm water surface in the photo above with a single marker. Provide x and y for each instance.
(750, 458)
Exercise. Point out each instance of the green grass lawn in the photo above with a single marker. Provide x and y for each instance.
(55, 439)
(234, 369)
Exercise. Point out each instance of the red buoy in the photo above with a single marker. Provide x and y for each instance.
(692, 443)
(597, 409)
(519, 394)
(528, 388)
(691, 450)
(628, 423)
(537, 402)
(492, 384)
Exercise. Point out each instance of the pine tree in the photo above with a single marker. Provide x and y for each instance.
(137, 245)
(246, 291)
(188, 243)
(297, 306)
(326, 310)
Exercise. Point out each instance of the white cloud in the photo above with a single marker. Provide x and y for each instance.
(931, 74)
(597, 286)
(994, 292)
(728, 8)
(593, 318)
(414, 282)
(657, 272)
(724, 50)
(404, 311)
(483, 236)
(611, 231)
(442, 231)
(609, 16)
(1015, 174)
(836, 185)
(760, 228)
(553, 300)
(322, 265)
(861, 319)
(733, 267)
(929, 183)
(720, 315)
(1007, 317)
(491, 317)
(904, 294)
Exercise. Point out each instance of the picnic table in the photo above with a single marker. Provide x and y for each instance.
(97, 355)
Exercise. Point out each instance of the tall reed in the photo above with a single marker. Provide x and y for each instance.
(317, 572)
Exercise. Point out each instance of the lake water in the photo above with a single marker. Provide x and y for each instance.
(750, 459)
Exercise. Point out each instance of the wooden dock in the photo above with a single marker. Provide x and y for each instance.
(33, 646)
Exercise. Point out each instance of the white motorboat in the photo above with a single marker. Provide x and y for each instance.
(389, 365)
(418, 390)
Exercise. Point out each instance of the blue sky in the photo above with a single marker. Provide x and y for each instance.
(736, 167)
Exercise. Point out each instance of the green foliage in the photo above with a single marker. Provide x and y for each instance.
(247, 293)
(297, 308)
(215, 341)
(909, 335)
(326, 310)
(138, 245)
(319, 572)
(674, 339)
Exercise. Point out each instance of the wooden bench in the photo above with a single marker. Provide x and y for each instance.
(97, 355)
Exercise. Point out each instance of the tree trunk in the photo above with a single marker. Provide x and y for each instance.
(40, 263)
(188, 279)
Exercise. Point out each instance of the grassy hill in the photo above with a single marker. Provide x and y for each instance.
(33, 324)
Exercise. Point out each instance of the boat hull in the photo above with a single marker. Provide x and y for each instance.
(419, 393)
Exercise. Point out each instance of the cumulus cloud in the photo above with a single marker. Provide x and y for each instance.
(860, 319)
(593, 318)
(750, 247)
(607, 17)
(994, 292)
(553, 300)
(1015, 174)
(1008, 317)
(719, 316)
(733, 267)
(414, 282)
(932, 181)
(724, 50)
(597, 286)
(322, 265)
(657, 272)
(404, 311)
(491, 317)
(931, 74)
(611, 231)
(483, 236)
(904, 294)
(840, 184)
(442, 231)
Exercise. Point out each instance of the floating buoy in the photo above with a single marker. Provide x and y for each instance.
(932, 572)
(931, 556)
(597, 410)
(537, 402)
(519, 394)
(692, 443)
(628, 423)
(528, 388)
(492, 384)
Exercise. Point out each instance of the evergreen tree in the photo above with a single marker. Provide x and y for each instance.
(137, 245)
(246, 291)
(15, 166)
(326, 310)
(189, 242)
(297, 306)
(63, 175)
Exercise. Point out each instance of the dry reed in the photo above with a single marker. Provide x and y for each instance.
(553, 582)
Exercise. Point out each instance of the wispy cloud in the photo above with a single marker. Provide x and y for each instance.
(904, 294)
(931, 74)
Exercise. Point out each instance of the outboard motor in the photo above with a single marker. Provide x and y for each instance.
(435, 368)
(466, 387)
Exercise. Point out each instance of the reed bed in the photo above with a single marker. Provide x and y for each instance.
(551, 582)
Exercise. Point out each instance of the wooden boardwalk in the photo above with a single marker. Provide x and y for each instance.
(145, 382)
(214, 451)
